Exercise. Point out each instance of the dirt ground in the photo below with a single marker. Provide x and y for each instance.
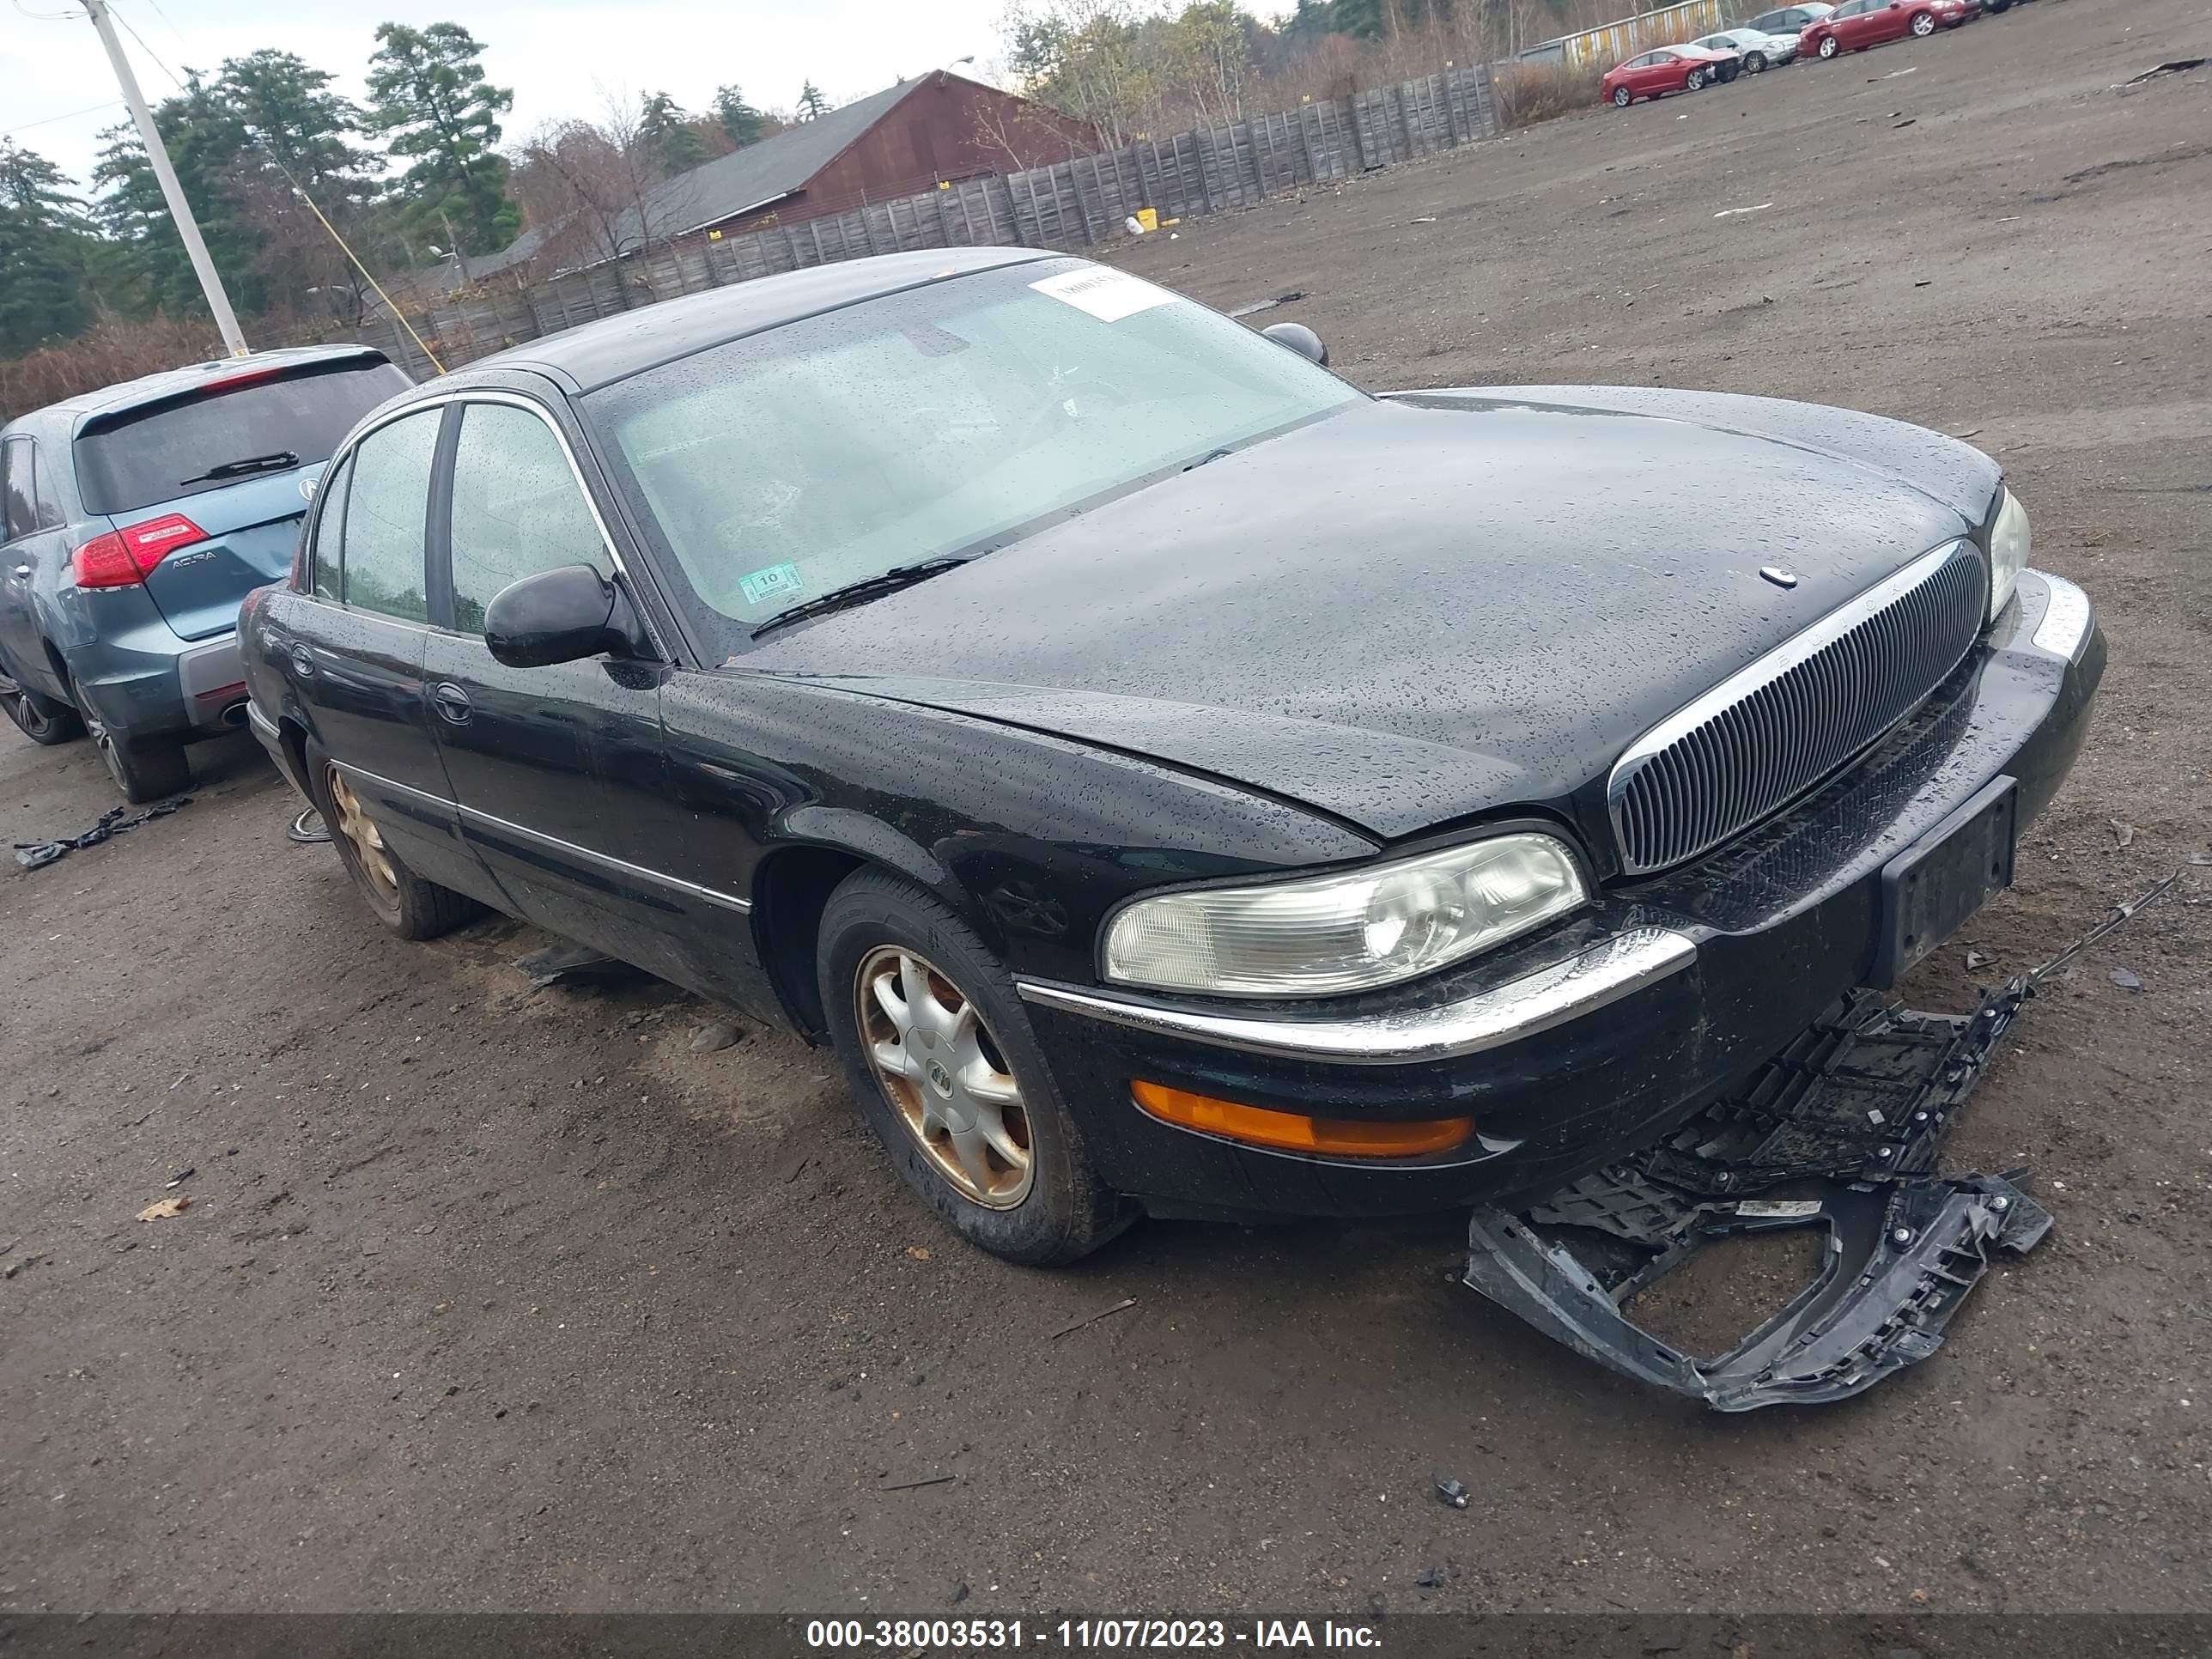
(490, 1297)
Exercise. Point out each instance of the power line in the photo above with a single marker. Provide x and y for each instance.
(48, 120)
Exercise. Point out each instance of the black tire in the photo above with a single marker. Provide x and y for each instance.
(42, 719)
(407, 905)
(1695, 81)
(145, 769)
(1622, 97)
(1754, 64)
(1063, 1212)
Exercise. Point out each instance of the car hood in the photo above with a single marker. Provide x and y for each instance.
(1424, 607)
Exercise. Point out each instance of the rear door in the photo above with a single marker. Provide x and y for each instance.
(21, 652)
(227, 461)
(1885, 20)
(354, 643)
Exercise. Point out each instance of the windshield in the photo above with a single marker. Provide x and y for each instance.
(937, 423)
(182, 449)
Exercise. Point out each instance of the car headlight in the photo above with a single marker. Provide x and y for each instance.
(1353, 931)
(2009, 545)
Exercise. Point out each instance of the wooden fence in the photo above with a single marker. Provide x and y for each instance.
(1074, 204)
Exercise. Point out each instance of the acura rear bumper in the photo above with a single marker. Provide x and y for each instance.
(1572, 1048)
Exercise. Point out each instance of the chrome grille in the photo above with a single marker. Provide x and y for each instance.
(1762, 738)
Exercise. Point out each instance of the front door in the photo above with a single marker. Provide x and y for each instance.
(550, 766)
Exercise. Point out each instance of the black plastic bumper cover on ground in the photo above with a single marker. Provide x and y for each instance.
(1840, 1131)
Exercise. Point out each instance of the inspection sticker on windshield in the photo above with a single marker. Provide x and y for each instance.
(772, 583)
(1108, 294)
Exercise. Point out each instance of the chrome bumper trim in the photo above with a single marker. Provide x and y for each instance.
(264, 727)
(2066, 614)
(1490, 1019)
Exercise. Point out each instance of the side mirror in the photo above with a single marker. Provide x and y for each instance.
(1299, 338)
(562, 615)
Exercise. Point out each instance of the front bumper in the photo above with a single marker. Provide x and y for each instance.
(1571, 1049)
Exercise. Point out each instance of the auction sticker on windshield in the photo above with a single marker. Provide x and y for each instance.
(1108, 294)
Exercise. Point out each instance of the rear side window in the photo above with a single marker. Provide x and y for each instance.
(388, 512)
(517, 509)
(47, 504)
(19, 512)
(325, 564)
(181, 449)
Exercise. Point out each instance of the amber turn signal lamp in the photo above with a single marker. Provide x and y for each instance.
(1294, 1131)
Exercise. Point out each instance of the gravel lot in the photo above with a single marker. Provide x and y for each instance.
(493, 1297)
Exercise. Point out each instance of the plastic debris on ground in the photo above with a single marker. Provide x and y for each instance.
(564, 963)
(38, 854)
(1839, 1132)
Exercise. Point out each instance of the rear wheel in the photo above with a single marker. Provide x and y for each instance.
(1828, 46)
(41, 719)
(1924, 24)
(1622, 97)
(940, 1054)
(405, 903)
(144, 768)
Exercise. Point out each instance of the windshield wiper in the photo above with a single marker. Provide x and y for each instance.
(860, 592)
(240, 469)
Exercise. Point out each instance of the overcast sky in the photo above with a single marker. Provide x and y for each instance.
(563, 58)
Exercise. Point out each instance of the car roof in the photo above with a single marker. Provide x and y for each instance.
(109, 400)
(597, 354)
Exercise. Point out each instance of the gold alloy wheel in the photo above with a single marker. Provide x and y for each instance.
(369, 848)
(937, 1063)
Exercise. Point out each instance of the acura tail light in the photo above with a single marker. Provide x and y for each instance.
(125, 558)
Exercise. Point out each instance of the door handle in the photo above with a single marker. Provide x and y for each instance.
(303, 661)
(23, 570)
(451, 703)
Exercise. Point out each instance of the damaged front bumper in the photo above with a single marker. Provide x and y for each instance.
(1841, 1132)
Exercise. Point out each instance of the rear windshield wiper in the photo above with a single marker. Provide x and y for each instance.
(240, 469)
(860, 592)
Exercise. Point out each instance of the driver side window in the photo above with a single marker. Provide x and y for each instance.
(517, 509)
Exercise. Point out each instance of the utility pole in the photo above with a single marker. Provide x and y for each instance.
(180, 210)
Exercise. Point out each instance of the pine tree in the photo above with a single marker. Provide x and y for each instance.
(812, 104)
(428, 93)
(45, 245)
(670, 135)
(742, 123)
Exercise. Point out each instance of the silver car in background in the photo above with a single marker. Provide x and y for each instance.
(1758, 49)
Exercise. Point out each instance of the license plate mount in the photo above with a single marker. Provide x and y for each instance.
(1929, 890)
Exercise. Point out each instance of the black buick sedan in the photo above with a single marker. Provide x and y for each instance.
(1175, 780)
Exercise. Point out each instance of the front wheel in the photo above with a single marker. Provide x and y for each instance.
(1622, 97)
(1755, 63)
(1696, 80)
(1924, 24)
(940, 1054)
(41, 719)
(1828, 46)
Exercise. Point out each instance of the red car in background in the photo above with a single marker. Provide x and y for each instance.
(1667, 68)
(1858, 24)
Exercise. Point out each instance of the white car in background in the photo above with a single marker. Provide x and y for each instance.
(1757, 50)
